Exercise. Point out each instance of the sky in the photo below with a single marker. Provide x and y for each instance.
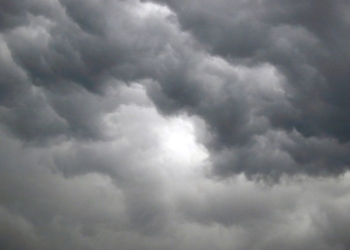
(174, 124)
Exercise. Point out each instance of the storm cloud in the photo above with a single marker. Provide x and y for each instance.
(174, 124)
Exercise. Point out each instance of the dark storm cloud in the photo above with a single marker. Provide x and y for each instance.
(12, 13)
(90, 157)
(53, 54)
(304, 40)
(280, 69)
(276, 154)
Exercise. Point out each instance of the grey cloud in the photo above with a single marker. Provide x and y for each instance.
(89, 15)
(90, 90)
(303, 40)
(40, 208)
(282, 210)
(12, 14)
(127, 194)
(279, 154)
(14, 227)
(56, 53)
(224, 84)
(33, 120)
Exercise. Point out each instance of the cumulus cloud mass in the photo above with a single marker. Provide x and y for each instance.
(174, 124)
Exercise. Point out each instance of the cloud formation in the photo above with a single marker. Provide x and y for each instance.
(160, 124)
(303, 41)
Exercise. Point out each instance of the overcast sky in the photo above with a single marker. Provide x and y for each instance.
(174, 124)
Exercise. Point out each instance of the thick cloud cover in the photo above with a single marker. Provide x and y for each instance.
(305, 43)
(161, 124)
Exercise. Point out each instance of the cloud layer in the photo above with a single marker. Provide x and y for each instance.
(161, 124)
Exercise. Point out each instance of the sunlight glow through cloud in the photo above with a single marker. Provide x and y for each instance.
(179, 142)
(174, 124)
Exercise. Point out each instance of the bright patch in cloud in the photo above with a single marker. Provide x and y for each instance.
(179, 143)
